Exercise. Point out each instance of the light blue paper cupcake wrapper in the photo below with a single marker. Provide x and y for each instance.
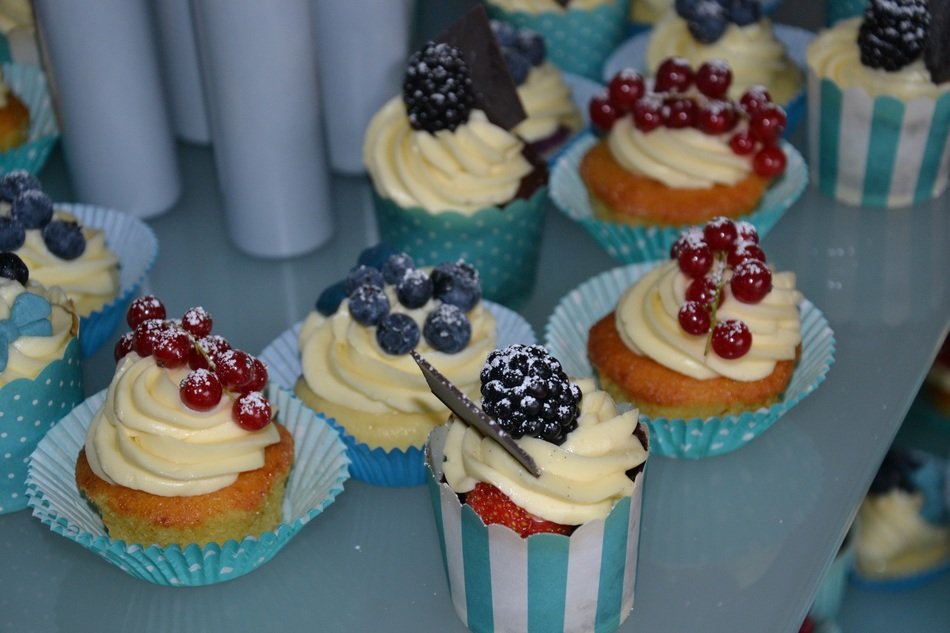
(503, 244)
(395, 468)
(565, 337)
(578, 41)
(316, 479)
(136, 246)
(633, 54)
(629, 244)
(583, 582)
(877, 152)
(28, 409)
(29, 83)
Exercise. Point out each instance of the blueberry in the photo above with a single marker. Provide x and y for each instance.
(64, 239)
(12, 234)
(330, 299)
(15, 183)
(532, 46)
(397, 333)
(396, 266)
(32, 208)
(505, 34)
(744, 12)
(415, 289)
(517, 64)
(363, 275)
(447, 329)
(686, 8)
(456, 284)
(12, 267)
(375, 256)
(368, 304)
(707, 30)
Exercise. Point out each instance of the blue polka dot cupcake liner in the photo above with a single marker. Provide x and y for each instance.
(317, 477)
(28, 409)
(631, 244)
(136, 246)
(503, 244)
(395, 468)
(30, 85)
(578, 40)
(565, 336)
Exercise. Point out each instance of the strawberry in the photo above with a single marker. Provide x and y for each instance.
(493, 506)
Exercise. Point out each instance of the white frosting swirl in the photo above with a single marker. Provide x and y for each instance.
(753, 52)
(890, 526)
(684, 158)
(580, 480)
(648, 11)
(646, 318)
(476, 166)
(547, 102)
(546, 6)
(27, 356)
(834, 54)
(143, 437)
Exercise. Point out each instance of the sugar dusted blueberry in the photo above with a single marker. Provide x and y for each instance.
(396, 266)
(64, 239)
(363, 276)
(12, 234)
(15, 183)
(375, 256)
(457, 284)
(32, 208)
(415, 289)
(397, 333)
(447, 329)
(330, 299)
(368, 304)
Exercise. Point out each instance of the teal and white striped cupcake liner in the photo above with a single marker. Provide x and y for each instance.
(30, 85)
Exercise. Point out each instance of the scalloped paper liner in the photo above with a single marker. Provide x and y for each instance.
(629, 244)
(565, 336)
(317, 477)
(136, 246)
(29, 83)
(395, 468)
(578, 40)
(28, 409)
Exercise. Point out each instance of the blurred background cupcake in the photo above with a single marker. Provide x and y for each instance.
(879, 105)
(28, 128)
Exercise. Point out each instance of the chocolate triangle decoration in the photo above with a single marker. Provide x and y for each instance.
(470, 413)
(495, 90)
(937, 47)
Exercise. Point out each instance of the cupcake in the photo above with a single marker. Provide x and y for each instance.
(552, 116)
(28, 128)
(40, 371)
(879, 110)
(566, 496)
(580, 34)
(14, 118)
(450, 178)
(355, 366)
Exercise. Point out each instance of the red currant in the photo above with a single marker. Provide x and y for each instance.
(214, 345)
(714, 78)
(602, 113)
(753, 99)
(259, 381)
(200, 390)
(235, 369)
(123, 346)
(679, 113)
(717, 117)
(751, 281)
(731, 339)
(173, 348)
(747, 232)
(695, 259)
(673, 75)
(251, 411)
(720, 233)
(770, 161)
(624, 89)
(144, 308)
(694, 318)
(196, 359)
(768, 123)
(147, 334)
(703, 291)
(648, 113)
(745, 250)
(197, 321)
(742, 143)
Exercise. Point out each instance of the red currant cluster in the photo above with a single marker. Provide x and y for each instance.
(216, 366)
(705, 256)
(756, 123)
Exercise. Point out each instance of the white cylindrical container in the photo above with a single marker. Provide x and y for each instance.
(358, 73)
(179, 55)
(260, 72)
(116, 132)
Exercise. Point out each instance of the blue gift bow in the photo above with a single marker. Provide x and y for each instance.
(29, 316)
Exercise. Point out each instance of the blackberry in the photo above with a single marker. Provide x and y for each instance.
(893, 33)
(15, 183)
(437, 88)
(395, 267)
(368, 304)
(415, 289)
(64, 239)
(457, 284)
(527, 391)
(32, 208)
(330, 299)
(363, 275)
(12, 234)
(397, 333)
(12, 267)
(447, 329)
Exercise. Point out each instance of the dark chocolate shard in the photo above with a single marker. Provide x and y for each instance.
(470, 413)
(937, 48)
(495, 90)
(563, 3)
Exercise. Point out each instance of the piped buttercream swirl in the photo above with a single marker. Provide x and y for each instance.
(547, 102)
(27, 356)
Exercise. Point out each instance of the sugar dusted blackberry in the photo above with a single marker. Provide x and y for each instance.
(526, 390)
(893, 33)
(437, 88)
(457, 284)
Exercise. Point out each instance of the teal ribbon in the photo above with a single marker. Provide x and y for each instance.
(29, 316)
